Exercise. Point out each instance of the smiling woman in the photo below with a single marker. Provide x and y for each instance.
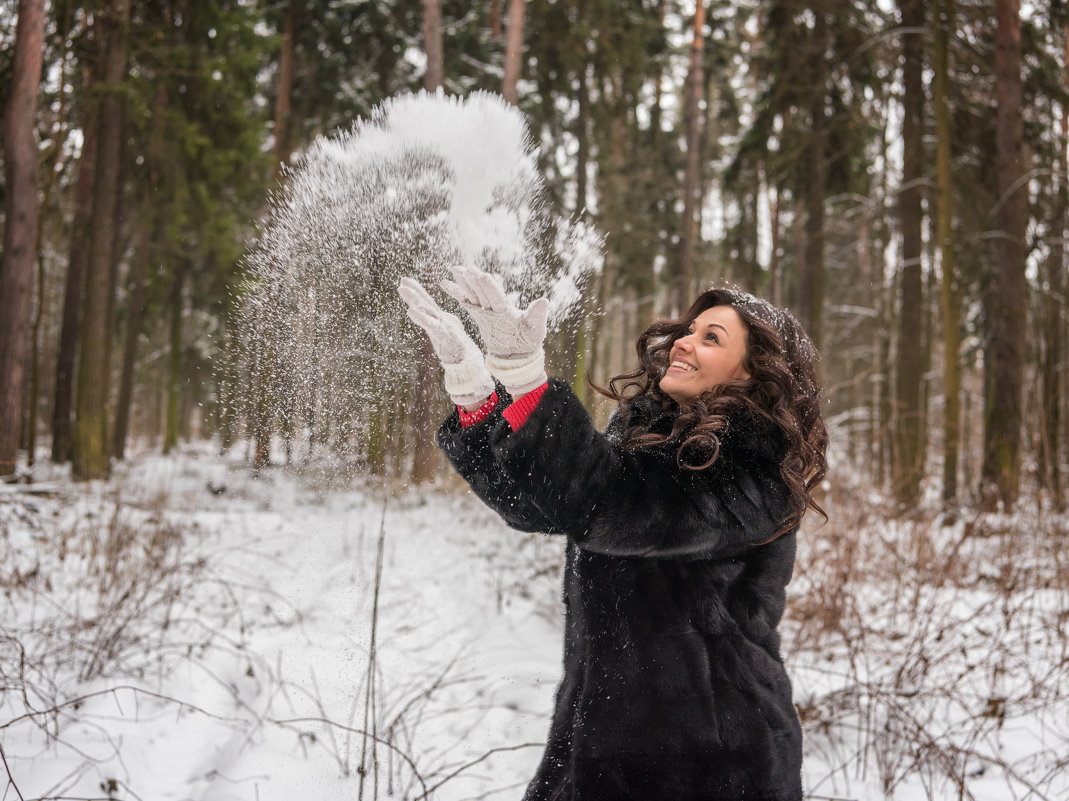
(708, 355)
(679, 522)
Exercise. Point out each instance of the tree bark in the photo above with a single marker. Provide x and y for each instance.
(75, 289)
(908, 454)
(775, 287)
(134, 320)
(149, 233)
(432, 44)
(948, 294)
(34, 392)
(1006, 298)
(425, 450)
(1054, 352)
(174, 361)
(691, 173)
(582, 136)
(284, 98)
(51, 169)
(90, 449)
(811, 289)
(493, 19)
(262, 411)
(513, 51)
(656, 108)
(21, 221)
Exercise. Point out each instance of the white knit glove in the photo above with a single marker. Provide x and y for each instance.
(466, 378)
(513, 338)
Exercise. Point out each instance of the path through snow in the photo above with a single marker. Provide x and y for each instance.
(467, 650)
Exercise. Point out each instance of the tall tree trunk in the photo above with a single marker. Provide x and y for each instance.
(883, 396)
(174, 361)
(90, 447)
(691, 174)
(493, 19)
(513, 50)
(425, 451)
(51, 177)
(1006, 306)
(150, 232)
(582, 135)
(775, 222)
(117, 251)
(263, 407)
(74, 292)
(284, 98)
(948, 294)
(585, 350)
(864, 364)
(35, 356)
(1054, 368)
(20, 229)
(432, 44)
(811, 289)
(134, 319)
(908, 455)
(656, 108)
(428, 392)
(262, 410)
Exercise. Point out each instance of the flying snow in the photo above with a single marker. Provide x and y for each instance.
(428, 181)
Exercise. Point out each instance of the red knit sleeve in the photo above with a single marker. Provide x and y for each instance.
(518, 412)
(471, 418)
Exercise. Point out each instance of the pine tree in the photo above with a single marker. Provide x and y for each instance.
(944, 17)
(90, 449)
(908, 458)
(21, 223)
(1006, 298)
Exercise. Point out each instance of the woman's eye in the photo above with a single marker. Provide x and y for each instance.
(711, 337)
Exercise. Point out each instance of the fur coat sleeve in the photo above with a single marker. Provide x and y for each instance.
(470, 452)
(559, 474)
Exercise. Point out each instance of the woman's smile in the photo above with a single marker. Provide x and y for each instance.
(682, 366)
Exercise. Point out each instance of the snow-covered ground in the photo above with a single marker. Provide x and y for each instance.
(188, 631)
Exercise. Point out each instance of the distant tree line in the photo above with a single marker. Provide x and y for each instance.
(898, 178)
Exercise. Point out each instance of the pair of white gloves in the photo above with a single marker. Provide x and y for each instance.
(513, 338)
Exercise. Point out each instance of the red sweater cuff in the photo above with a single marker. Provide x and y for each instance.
(518, 412)
(471, 418)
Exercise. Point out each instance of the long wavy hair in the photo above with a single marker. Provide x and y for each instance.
(783, 389)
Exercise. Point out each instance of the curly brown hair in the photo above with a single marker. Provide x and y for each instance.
(783, 389)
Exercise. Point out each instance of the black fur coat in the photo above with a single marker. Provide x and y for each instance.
(673, 686)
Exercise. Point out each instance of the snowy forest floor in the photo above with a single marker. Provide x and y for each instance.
(189, 631)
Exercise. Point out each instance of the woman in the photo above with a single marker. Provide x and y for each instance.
(680, 522)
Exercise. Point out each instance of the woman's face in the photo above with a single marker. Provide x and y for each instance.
(710, 355)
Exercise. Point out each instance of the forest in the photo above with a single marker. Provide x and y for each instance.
(895, 174)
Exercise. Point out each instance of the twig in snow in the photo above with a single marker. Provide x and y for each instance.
(10, 778)
(369, 735)
(475, 762)
(369, 692)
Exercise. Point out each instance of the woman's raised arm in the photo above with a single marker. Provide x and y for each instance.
(638, 503)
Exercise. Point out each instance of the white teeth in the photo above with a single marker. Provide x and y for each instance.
(684, 365)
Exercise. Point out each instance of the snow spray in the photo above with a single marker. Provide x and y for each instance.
(426, 182)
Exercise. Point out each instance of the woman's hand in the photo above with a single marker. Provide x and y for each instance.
(513, 337)
(467, 380)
